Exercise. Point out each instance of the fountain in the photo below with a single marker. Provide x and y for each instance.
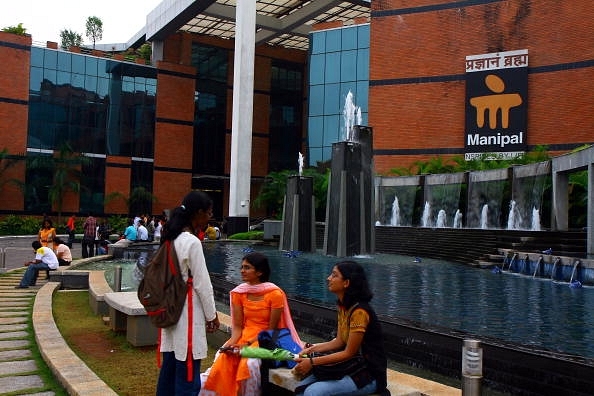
(528, 186)
(485, 217)
(426, 218)
(535, 219)
(485, 188)
(514, 219)
(441, 219)
(457, 219)
(405, 190)
(350, 227)
(298, 231)
(395, 219)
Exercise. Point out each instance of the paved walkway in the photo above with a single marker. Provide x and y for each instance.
(18, 371)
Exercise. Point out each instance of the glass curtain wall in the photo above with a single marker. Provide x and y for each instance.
(339, 63)
(210, 121)
(94, 105)
(286, 115)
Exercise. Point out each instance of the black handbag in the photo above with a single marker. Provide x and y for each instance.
(335, 371)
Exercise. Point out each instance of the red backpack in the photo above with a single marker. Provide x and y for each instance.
(163, 290)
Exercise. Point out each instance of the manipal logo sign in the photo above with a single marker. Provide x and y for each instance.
(496, 87)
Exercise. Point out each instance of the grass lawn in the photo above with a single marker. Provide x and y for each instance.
(126, 369)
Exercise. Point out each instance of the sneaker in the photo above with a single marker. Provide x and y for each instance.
(21, 287)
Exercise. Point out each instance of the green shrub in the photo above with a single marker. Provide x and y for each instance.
(118, 224)
(19, 225)
(248, 236)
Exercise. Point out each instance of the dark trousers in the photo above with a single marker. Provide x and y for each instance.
(88, 247)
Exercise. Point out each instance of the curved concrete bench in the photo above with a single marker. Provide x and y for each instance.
(69, 369)
(126, 313)
(98, 287)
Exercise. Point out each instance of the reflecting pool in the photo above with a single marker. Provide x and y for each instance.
(506, 306)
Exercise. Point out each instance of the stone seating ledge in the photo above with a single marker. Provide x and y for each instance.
(126, 313)
(67, 367)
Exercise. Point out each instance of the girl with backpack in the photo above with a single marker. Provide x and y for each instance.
(180, 371)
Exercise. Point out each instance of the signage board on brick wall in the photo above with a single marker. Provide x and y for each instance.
(496, 102)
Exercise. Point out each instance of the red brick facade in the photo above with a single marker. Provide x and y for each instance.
(413, 42)
(14, 98)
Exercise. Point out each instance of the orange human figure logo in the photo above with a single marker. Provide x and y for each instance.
(499, 102)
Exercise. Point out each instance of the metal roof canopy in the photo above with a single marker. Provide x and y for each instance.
(285, 23)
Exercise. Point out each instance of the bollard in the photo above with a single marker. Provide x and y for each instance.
(472, 368)
(2, 261)
(117, 278)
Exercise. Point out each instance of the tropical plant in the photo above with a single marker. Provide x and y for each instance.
(65, 168)
(19, 225)
(18, 29)
(94, 29)
(139, 201)
(70, 38)
(272, 193)
(145, 51)
(7, 161)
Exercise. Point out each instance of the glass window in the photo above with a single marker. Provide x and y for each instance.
(331, 99)
(316, 69)
(50, 59)
(78, 64)
(363, 36)
(315, 155)
(332, 74)
(91, 83)
(362, 95)
(318, 42)
(90, 66)
(332, 130)
(363, 64)
(349, 38)
(37, 57)
(316, 100)
(50, 76)
(316, 131)
(348, 66)
(78, 80)
(102, 68)
(35, 79)
(102, 87)
(333, 40)
(63, 77)
(64, 61)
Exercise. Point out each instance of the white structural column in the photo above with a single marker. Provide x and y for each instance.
(243, 109)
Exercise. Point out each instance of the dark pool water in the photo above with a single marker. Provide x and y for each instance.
(510, 307)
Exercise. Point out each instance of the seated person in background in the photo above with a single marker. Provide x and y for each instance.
(256, 305)
(62, 252)
(45, 259)
(142, 232)
(128, 236)
(210, 233)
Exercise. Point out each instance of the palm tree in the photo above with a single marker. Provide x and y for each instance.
(139, 201)
(66, 173)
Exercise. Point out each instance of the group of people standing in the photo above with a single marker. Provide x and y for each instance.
(257, 305)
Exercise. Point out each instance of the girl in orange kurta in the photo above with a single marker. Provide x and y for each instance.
(47, 234)
(256, 305)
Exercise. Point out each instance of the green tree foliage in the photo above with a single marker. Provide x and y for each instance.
(139, 201)
(70, 38)
(19, 225)
(437, 164)
(94, 29)
(272, 193)
(7, 161)
(18, 29)
(145, 51)
(65, 168)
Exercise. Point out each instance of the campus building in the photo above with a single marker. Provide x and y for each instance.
(432, 78)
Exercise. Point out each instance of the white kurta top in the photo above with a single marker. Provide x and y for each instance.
(175, 338)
